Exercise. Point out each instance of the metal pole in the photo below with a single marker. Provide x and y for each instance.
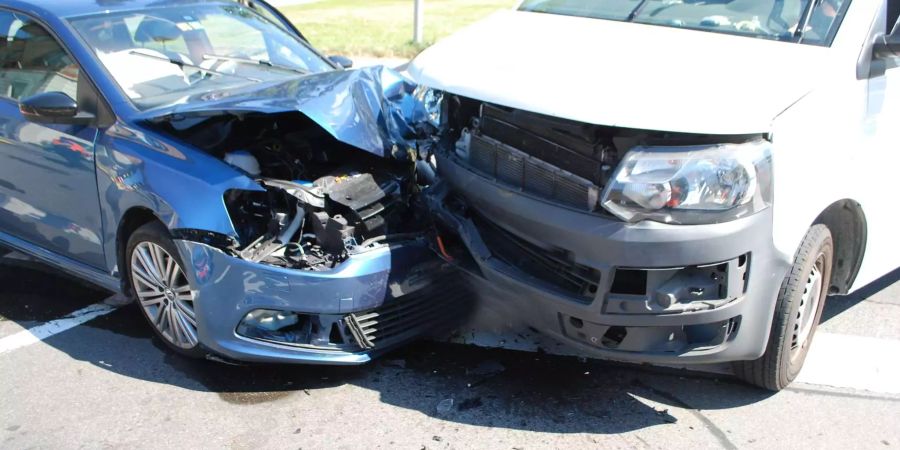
(419, 21)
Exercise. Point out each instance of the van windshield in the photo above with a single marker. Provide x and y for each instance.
(771, 19)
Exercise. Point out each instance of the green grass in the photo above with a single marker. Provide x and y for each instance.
(383, 28)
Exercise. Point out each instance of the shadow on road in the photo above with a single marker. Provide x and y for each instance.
(482, 387)
(839, 304)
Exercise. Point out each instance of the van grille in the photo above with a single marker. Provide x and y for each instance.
(522, 171)
(550, 267)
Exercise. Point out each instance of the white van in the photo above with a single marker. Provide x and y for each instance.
(673, 181)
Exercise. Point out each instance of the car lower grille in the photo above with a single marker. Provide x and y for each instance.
(410, 316)
(529, 174)
(549, 267)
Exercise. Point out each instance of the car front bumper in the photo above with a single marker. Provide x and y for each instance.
(645, 292)
(411, 290)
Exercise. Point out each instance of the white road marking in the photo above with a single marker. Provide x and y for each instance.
(855, 362)
(36, 334)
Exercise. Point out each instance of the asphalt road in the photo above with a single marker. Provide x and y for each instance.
(109, 383)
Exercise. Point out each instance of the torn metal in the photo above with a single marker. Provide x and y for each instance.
(339, 158)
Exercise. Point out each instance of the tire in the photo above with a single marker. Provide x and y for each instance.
(797, 314)
(167, 301)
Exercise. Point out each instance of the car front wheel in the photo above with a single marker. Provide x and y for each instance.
(161, 289)
(797, 314)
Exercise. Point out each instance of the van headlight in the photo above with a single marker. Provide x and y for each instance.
(691, 184)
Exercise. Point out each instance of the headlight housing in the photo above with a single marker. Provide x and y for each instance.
(430, 106)
(691, 184)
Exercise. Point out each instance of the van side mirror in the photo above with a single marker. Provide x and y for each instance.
(53, 107)
(342, 61)
(887, 47)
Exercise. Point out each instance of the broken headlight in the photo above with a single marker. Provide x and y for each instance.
(691, 184)
(429, 106)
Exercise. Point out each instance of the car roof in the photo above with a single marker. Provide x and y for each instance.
(74, 8)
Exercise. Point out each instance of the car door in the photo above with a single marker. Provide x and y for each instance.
(48, 184)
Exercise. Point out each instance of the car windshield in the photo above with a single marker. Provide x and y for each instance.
(161, 56)
(772, 19)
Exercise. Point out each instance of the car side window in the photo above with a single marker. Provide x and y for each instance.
(32, 61)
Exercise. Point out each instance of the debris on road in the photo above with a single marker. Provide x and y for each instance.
(445, 406)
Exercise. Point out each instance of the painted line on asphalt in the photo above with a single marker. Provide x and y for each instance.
(855, 362)
(36, 334)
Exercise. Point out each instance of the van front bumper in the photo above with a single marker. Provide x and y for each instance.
(369, 304)
(645, 292)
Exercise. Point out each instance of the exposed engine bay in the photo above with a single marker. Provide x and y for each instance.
(323, 199)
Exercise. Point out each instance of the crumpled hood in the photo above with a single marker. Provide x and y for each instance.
(375, 108)
(623, 74)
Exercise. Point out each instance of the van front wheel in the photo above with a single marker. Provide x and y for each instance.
(797, 314)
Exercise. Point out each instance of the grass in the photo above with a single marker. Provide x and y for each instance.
(383, 28)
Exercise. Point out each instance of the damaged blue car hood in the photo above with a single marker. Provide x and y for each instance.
(374, 109)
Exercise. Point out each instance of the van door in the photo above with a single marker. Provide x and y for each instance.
(882, 132)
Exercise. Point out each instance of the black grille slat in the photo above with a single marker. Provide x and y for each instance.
(577, 280)
(393, 328)
(411, 313)
(529, 174)
(571, 146)
(408, 316)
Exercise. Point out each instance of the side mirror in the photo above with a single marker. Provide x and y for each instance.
(342, 61)
(887, 47)
(53, 107)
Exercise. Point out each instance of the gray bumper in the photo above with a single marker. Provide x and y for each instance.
(395, 277)
(604, 246)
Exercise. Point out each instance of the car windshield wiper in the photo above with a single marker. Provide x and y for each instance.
(258, 62)
(182, 65)
(637, 10)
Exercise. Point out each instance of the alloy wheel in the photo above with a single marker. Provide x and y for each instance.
(165, 294)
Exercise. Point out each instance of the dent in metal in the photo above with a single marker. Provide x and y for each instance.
(374, 108)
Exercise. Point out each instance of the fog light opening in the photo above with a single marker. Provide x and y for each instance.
(277, 326)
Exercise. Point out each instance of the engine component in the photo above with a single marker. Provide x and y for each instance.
(332, 233)
(361, 199)
(245, 161)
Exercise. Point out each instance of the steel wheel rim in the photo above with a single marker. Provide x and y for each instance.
(809, 306)
(164, 293)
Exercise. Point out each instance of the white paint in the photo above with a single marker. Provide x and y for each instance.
(624, 74)
(39, 333)
(834, 134)
(853, 362)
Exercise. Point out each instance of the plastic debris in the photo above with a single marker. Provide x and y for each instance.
(445, 406)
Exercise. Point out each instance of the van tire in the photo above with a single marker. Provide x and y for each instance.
(783, 358)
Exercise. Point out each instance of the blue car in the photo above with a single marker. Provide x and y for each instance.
(257, 200)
